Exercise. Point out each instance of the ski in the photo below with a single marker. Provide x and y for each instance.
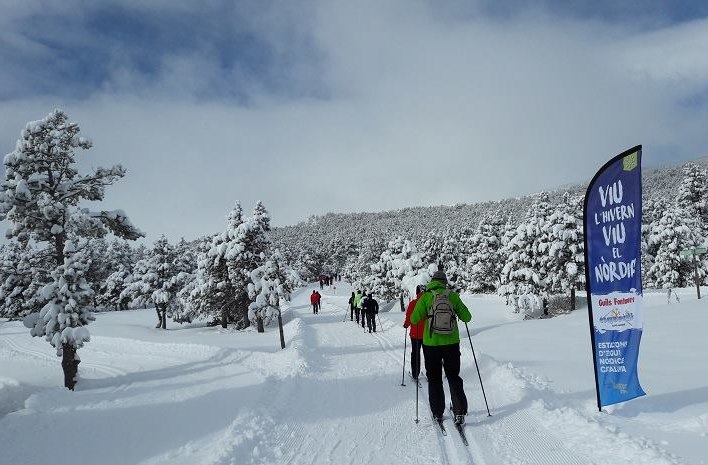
(460, 429)
(443, 431)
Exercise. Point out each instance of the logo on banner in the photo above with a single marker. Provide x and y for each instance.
(618, 319)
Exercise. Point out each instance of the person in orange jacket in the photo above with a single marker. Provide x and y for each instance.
(416, 334)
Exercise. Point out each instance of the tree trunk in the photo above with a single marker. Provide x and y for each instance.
(280, 327)
(572, 298)
(259, 324)
(70, 366)
(59, 248)
(224, 317)
(163, 320)
(159, 317)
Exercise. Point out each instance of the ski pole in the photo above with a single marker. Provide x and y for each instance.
(405, 342)
(489, 414)
(417, 387)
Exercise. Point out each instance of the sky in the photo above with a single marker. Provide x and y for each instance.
(315, 106)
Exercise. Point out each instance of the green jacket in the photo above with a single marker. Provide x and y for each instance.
(357, 300)
(420, 312)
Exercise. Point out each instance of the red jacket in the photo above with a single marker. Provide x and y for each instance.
(418, 329)
(314, 298)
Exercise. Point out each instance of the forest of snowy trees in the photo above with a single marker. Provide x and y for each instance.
(62, 260)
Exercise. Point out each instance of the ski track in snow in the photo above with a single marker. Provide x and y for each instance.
(333, 397)
(43, 355)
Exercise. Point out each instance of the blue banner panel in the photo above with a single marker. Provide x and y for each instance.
(613, 233)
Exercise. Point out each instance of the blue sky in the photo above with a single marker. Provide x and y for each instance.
(332, 105)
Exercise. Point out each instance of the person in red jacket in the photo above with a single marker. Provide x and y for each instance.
(416, 334)
(314, 300)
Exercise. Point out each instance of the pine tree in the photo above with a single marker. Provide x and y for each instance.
(120, 256)
(484, 261)
(652, 212)
(63, 319)
(693, 195)
(153, 281)
(245, 252)
(432, 248)
(268, 287)
(526, 268)
(396, 270)
(43, 189)
(567, 265)
(183, 281)
(22, 276)
(674, 232)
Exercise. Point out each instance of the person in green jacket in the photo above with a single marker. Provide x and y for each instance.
(357, 305)
(442, 350)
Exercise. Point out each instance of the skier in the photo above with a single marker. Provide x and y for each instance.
(319, 302)
(313, 301)
(362, 306)
(357, 305)
(351, 307)
(442, 350)
(371, 308)
(416, 334)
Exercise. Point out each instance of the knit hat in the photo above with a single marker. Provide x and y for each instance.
(440, 276)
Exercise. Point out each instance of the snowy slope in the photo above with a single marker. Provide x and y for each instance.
(198, 395)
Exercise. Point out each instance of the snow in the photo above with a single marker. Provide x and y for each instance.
(206, 395)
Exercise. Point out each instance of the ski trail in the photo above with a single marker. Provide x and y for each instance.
(360, 414)
(105, 369)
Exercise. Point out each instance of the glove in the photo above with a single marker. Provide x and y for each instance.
(406, 325)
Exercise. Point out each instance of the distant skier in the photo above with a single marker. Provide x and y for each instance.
(362, 304)
(351, 307)
(321, 283)
(371, 309)
(416, 334)
(357, 305)
(441, 349)
(313, 301)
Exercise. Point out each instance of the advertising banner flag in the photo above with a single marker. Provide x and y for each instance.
(613, 230)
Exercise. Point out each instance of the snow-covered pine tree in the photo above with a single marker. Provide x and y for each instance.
(692, 195)
(484, 262)
(100, 265)
(153, 281)
(121, 264)
(674, 232)
(268, 287)
(567, 265)
(63, 319)
(432, 248)
(526, 267)
(43, 189)
(184, 281)
(214, 294)
(396, 270)
(358, 271)
(245, 252)
(22, 276)
(652, 212)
